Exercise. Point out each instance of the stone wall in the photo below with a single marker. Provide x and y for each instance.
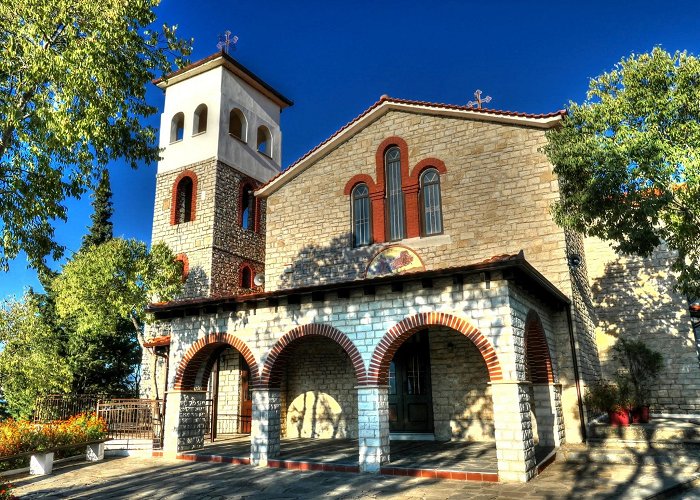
(214, 242)
(635, 297)
(496, 196)
(462, 404)
(319, 399)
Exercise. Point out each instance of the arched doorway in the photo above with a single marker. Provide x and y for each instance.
(310, 378)
(212, 395)
(543, 393)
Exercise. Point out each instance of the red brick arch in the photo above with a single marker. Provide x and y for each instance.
(282, 351)
(438, 165)
(539, 361)
(173, 195)
(396, 335)
(203, 352)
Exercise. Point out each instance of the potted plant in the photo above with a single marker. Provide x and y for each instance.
(640, 366)
(609, 397)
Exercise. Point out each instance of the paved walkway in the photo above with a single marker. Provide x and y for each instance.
(156, 478)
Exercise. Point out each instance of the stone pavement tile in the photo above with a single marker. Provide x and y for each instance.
(165, 478)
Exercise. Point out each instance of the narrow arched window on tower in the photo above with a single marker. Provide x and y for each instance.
(183, 200)
(177, 127)
(264, 141)
(246, 277)
(431, 211)
(237, 125)
(395, 216)
(361, 224)
(247, 207)
(199, 124)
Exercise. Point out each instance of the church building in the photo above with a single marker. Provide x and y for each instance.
(402, 281)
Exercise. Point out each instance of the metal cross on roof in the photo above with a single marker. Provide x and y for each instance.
(226, 41)
(479, 101)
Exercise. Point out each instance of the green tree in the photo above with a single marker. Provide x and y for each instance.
(101, 229)
(628, 160)
(73, 75)
(30, 360)
(111, 283)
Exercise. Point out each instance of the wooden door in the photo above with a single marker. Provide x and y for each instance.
(245, 420)
(410, 395)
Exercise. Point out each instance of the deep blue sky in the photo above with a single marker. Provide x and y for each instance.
(334, 60)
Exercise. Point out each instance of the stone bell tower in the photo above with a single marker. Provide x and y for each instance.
(221, 139)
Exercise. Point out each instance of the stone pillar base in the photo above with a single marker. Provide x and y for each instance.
(265, 426)
(515, 447)
(41, 464)
(185, 421)
(95, 452)
(373, 424)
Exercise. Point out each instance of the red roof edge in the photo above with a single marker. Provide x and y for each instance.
(159, 341)
(386, 98)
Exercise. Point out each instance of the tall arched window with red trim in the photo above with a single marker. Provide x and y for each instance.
(183, 200)
(431, 203)
(361, 220)
(395, 213)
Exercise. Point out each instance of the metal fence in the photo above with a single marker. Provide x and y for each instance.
(63, 406)
(224, 423)
(133, 419)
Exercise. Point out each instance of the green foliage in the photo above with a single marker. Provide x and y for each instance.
(113, 282)
(73, 75)
(641, 366)
(101, 229)
(605, 396)
(30, 361)
(628, 160)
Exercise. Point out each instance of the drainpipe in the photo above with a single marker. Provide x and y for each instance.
(577, 377)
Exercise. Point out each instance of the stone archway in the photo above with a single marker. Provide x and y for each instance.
(544, 394)
(186, 405)
(378, 373)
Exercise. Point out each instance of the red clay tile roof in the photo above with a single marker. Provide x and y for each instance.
(157, 341)
(386, 98)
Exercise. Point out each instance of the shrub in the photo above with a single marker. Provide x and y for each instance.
(6, 490)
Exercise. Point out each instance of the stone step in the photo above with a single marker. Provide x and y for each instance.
(629, 456)
(641, 445)
(659, 429)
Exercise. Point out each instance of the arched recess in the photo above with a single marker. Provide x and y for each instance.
(275, 363)
(537, 356)
(203, 353)
(175, 203)
(438, 165)
(378, 373)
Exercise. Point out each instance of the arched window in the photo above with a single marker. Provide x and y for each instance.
(264, 141)
(177, 127)
(183, 200)
(237, 125)
(361, 229)
(431, 211)
(199, 124)
(246, 277)
(395, 216)
(247, 207)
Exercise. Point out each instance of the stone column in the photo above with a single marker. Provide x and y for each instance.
(265, 427)
(185, 420)
(373, 424)
(515, 447)
(548, 411)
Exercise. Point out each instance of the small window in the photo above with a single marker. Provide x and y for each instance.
(361, 229)
(199, 124)
(246, 277)
(183, 200)
(177, 127)
(247, 207)
(395, 216)
(237, 125)
(264, 141)
(431, 211)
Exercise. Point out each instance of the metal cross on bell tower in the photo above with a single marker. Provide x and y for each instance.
(226, 40)
(479, 101)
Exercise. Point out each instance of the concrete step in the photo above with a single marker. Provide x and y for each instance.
(658, 429)
(671, 455)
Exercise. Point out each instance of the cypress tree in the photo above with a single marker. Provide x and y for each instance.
(101, 229)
